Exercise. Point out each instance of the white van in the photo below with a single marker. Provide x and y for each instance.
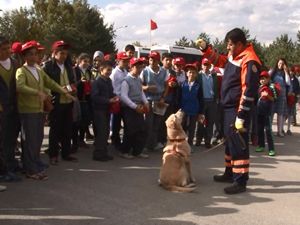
(190, 55)
(141, 52)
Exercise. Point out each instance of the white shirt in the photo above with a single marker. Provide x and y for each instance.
(117, 76)
(34, 72)
(124, 94)
(62, 67)
(6, 63)
(180, 78)
(191, 85)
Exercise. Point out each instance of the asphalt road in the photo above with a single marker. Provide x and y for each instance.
(125, 192)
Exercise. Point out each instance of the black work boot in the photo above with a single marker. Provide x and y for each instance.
(224, 178)
(227, 177)
(235, 188)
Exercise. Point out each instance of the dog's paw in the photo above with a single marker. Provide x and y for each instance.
(191, 185)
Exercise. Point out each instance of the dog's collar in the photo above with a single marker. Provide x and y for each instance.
(176, 140)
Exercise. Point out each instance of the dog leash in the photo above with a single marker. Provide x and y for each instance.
(235, 131)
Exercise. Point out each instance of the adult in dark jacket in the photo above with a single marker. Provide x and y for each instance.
(60, 118)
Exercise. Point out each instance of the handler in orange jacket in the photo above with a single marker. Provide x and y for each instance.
(238, 91)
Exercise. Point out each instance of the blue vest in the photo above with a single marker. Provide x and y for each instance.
(150, 78)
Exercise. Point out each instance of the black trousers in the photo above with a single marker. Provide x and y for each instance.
(135, 132)
(32, 125)
(116, 127)
(60, 133)
(264, 124)
(101, 120)
(236, 157)
(10, 124)
(189, 125)
(206, 130)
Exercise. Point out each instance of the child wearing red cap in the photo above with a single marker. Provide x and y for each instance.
(60, 118)
(267, 94)
(154, 79)
(117, 76)
(31, 83)
(209, 85)
(191, 102)
(135, 104)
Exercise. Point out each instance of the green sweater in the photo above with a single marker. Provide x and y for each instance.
(28, 87)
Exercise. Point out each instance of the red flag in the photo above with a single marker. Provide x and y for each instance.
(153, 25)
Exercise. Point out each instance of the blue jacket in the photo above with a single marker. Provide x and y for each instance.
(191, 101)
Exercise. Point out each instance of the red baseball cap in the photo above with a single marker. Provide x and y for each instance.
(40, 47)
(122, 56)
(16, 47)
(133, 61)
(154, 55)
(144, 59)
(59, 44)
(188, 66)
(28, 45)
(205, 61)
(264, 74)
(179, 61)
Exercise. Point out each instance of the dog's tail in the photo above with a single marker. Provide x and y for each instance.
(174, 188)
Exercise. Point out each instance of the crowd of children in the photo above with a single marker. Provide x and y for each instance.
(137, 94)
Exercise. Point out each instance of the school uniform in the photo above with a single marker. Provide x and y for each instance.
(9, 120)
(191, 103)
(134, 123)
(209, 85)
(31, 80)
(60, 118)
(149, 77)
(84, 80)
(117, 76)
(102, 92)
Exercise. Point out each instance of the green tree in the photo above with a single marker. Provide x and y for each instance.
(183, 41)
(282, 47)
(75, 21)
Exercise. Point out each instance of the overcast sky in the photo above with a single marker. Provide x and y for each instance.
(266, 19)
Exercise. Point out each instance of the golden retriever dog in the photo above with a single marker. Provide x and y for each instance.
(175, 172)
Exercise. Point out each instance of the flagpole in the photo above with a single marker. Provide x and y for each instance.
(150, 35)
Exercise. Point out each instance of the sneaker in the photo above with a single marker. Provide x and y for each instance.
(289, 132)
(2, 188)
(159, 146)
(260, 149)
(224, 178)
(53, 161)
(143, 156)
(198, 142)
(126, 156)
(280, 134)
(89, 137)
(235, 188)
(272, 153)
(10, 177)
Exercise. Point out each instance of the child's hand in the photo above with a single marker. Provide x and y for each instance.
(114, 99)
(264, 94)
